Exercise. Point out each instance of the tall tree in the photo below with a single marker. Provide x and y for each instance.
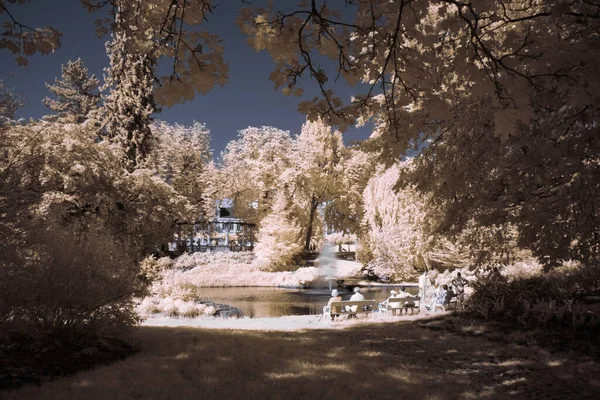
(9, 101)
(126, 115)
(395, 224)
(169, 29)
(251, 167)
(77, 92)
(182, 157)
(316, 171)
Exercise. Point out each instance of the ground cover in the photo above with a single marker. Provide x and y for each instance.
(358, 360)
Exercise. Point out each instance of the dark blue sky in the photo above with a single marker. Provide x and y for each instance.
(249, 99)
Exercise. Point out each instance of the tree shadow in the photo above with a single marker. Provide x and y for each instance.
(382, 361)
(580, 342)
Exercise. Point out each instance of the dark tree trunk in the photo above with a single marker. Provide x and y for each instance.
(313, 209)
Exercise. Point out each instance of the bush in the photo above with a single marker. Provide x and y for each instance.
(74, 287)
(556, 300)
(187, 261)
(74, 227)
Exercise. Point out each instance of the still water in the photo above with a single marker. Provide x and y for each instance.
(260, 302)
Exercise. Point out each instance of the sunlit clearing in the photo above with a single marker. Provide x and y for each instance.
(401, 374)
(513, 381)
(370, 353)
(306, 369)
(509, 363)
(554, 363)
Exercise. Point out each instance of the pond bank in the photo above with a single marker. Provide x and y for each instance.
(285, 323)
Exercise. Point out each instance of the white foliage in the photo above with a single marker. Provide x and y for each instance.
(182, 157)
(277, 239)
(395, 223)
(251, 167)
(76, 93)
(75, 227)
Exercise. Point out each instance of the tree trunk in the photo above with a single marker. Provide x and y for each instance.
(313, 209)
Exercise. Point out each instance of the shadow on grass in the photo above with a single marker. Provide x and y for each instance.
(23, 361)
(382, 361)
(583, 341)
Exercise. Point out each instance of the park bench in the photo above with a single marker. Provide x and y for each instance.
(397, 303)
(448, 304)
(340, 307)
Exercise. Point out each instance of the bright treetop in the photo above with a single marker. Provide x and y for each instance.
(76, 92)
(169, 29)
(422, 60)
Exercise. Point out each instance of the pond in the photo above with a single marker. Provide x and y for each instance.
(258, 302)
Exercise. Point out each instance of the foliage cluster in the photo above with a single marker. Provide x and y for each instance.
(293, 186)
(75, 227)
(185, 305)
(187, 261)
(565, 299)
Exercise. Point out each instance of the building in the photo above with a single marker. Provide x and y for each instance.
(224, 232)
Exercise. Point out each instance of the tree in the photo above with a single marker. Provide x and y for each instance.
(344, 213)
(169, 29)
(77, 93)
(182, 158)
(396, 225)
(278, 236)
(491, 74)
(9, 102)
(315, 171)
(23, 40)
(251, 167)
(420, 60)
(75, 227)
(129, 105)
(542, 181)
(513, 82)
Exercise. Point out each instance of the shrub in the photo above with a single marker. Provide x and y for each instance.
(151, 268)
(187, 261)
(188, 310)
(209, 310)
(75, 286)
(553, 300)
(74, 227)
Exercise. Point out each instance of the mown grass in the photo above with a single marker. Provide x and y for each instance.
(374, 361)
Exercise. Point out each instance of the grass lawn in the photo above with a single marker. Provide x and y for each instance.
(372, 361)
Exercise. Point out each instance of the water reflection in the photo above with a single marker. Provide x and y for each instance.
(275, 302)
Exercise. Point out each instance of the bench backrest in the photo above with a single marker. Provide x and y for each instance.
(354, 303)
(404, 300)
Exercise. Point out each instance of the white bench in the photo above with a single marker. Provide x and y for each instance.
(398, 303)
(448, 304)
(347, 307)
